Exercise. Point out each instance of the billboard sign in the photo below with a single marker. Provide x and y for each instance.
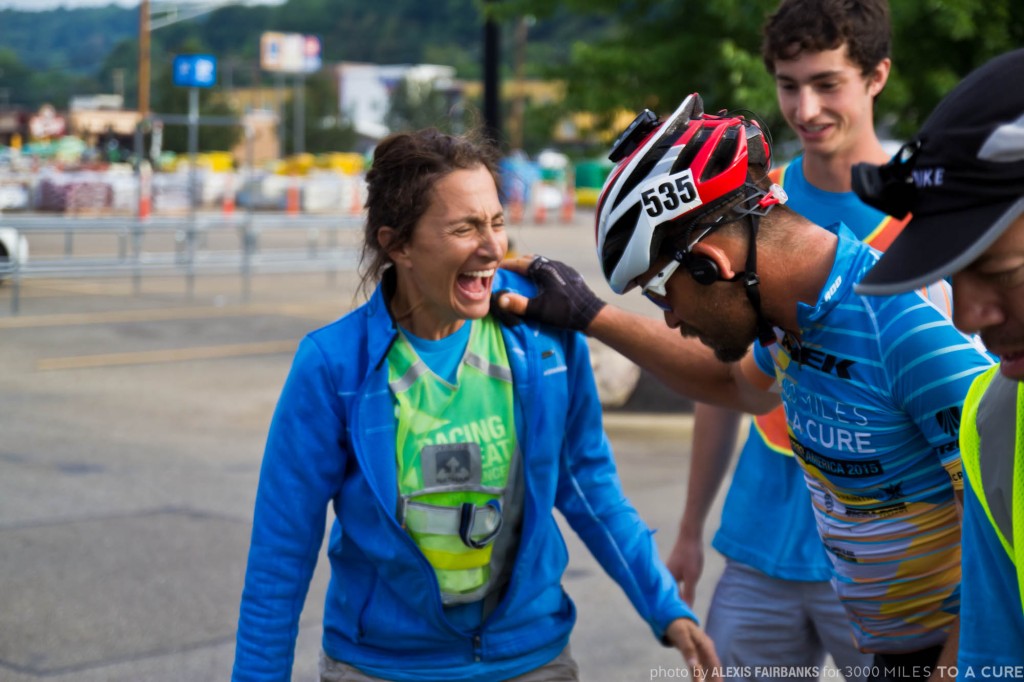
(289, 52)
(46, 124)
(195, 70)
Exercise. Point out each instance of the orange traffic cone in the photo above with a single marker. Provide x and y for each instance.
(356, 199)
(145, 207)
(293, 197)
(540, 211)
(228, 204)
(515, 207)
(568, 205)
(145, 192)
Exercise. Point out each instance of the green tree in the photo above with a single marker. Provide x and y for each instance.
(236, 29)
(74, 41)
(654, 53)
(57, 88)
(936, 43)
(657, 52)
(124, 60)
(395, 32)
(15, 79)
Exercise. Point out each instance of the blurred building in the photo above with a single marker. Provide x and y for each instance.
(365, 91)
(13, 126)
(266, 145)
(102, 117)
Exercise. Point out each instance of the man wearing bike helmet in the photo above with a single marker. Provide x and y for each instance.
(774, 604)
(962, 176)
(871, 386)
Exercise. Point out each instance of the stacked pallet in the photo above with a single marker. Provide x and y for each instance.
(74, 193)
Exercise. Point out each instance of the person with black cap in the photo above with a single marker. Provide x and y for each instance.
(872, 387)
(962, 179)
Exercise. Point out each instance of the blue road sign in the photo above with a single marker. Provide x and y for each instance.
(195, 70)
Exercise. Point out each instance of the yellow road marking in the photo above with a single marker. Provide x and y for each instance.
(316, 310)
(166, 356)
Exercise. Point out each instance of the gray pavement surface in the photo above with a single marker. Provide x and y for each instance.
(133, 428)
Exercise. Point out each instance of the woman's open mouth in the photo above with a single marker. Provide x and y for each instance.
(476, 284)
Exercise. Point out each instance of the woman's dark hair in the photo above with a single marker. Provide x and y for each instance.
(799, 26)
(405, 168)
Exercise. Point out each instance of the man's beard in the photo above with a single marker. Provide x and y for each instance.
(729, 349)
(730, 353)
(734, 347)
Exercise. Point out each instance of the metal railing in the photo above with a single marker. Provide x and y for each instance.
(320, 248)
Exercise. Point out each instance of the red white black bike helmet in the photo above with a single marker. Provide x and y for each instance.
(674, 171)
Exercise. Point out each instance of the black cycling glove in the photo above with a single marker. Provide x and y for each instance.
(563, 299)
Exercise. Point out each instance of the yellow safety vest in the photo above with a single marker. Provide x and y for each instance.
(992, 451)
(457, 457)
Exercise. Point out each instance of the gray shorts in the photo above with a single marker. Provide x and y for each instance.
(562, 669)
(757, 621)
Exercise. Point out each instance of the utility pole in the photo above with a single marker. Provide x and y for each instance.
(144, 58)
(299, 106)
(492, 83)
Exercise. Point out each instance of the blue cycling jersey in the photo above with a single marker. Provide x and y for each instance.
(776, 533)
(873, 388)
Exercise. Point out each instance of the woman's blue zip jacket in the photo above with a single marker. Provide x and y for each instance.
(332, 442)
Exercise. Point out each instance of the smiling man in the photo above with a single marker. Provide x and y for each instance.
(830, 60)
(962, 176)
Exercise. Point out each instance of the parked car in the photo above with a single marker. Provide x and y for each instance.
(13, 249)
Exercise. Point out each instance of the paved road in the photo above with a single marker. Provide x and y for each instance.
(132, 434)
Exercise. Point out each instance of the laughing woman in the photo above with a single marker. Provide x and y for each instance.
(443, 440)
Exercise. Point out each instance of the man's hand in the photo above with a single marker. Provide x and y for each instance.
(686, 563)
(697, 648)
(563, 299)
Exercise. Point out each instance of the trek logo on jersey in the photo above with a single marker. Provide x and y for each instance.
(837, 467)
(824, 362)
(949, 420)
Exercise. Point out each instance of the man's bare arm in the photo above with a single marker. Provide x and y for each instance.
(684, 364)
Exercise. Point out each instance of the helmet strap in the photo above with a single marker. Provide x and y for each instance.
(753, 204)
(751, 282)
